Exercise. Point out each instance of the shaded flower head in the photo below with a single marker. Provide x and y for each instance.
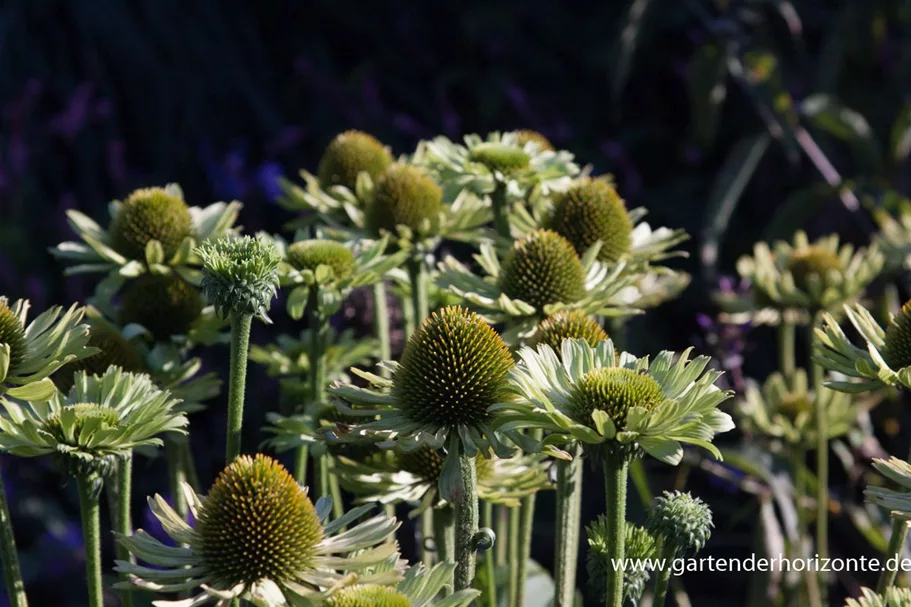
(240, 275)
(310, 254)
(257, 537)
(590, 210)
(404, 195)
(504, 158)
(680, 519)
(151, 214)
(113, 349)
(102, 418)
(165, 304)
(568, 324)
(639, 546)
(524, 136)
(618, 404)
(350, 154)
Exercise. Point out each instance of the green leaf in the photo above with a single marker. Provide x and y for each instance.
(845, 124)
(154, 253)
(4, 361)
(39, 391)
(706, 73)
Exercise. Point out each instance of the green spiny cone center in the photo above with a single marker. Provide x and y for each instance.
(815, 261)
(897, 348)
(404, 196)
(794, 404)
(150, 214)
(114, 348)
(500, 157)
(453, 368)
(615, 391)
(568, 324)
(67, 425)
(427, 463)
(310, 254)
(256, 523)
(524, 136)
(349, 154)
(589, 211)
(542, 268)
(369, 595)
(12, 333)
(162, 303)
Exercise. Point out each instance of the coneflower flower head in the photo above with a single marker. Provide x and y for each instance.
(614, 391)
(420, 587)
(369, 595)
(240, 275)
(150, 214)
(542, 268)
(164, 304)
(310, 254)
(404, 196)
(506, 159)
(12, 335)
(350, 154)
(894, 596)
(640, 545)
(897, 341)
(681, 519)
(568, 324)
(591, 210)
(524, 136)
(113, 350)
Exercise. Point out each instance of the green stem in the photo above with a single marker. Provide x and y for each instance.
(381, 322)
(798, 463)
(417, 276)
(338, 506)
(240, 346)
(322, 477)
(615, 474)
(502, 531)
(822, 467)
(444, 536)
(786, 340)
(895, 549)
(124, 520)
(426, 532)
(527, 522)
(188, 464)
(176, 475)
(12, 575)
(569, 510)
(490, 571)
(466, 514)
(319, 330)
(500, 206)
(663, 576)
(91, 533)
(301, 459)
(512, 557)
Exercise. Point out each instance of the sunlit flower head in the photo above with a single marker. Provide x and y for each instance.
(350, 154)
(613, 404)
(258, 537)
(894, 596)
(102, 418)
(568, 324)
(30, 352)
(240, 275)
(153, 229)
(420, 587)
(680, 519)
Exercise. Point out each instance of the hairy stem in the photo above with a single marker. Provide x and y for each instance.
(786, 339)
(381, 321)
(124, 520)
(663, 575)
(466, 513)
(501, 514)
(12, 575)
(176, 475)
(301, 460)
(444, 536)
(569, 510)
(615, 474)
(500, 206)
(526, 521)
(512, 557)
(91, 533)
(490, 571)
(240, 346)
(822, 467)
(895, 549)
(426, 532)
(417, 276)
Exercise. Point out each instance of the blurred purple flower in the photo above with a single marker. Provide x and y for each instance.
(267, 177)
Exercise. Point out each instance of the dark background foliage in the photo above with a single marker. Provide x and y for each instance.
(727, 118)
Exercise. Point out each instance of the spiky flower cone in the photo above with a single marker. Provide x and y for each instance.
(114, 349)
(310, 254)
(568, 324)
(615, 391)
(404, 196)
(814, 263)
(369, 595)
(150, 214)
(349, 154)
(897, 349)
(589, 211)
(162, 303)
(682, 520)
(542, 268)
(506, 159)
(256, 523)
(12, 333)
(524, 136)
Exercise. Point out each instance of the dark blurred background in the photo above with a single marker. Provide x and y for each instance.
(737, 120)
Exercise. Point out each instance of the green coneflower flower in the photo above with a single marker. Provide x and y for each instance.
(420, 587)
(404, 196)
(391, 477)
(150, 214)
(786, 409)
(640, 545)
(498, 157)
(795, 279)
(152, 230)
(101, 419)
(257, 537)
(164, 304)
(31, 352)
(893, 597)
(568, 324)
(541, 275)
(453, 369)
(603, 400)
(885, 358)
(681, 520)
(543, 269)
(310, 254)
(113, 350)
(524, 136)
(591, 210)
(894, 236)
(240, 275)
(350, 154)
